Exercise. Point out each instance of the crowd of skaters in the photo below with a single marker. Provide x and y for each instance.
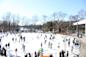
(47, 39)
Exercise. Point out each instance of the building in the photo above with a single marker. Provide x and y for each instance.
(81, 25)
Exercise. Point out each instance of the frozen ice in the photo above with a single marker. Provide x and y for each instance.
(50, 43)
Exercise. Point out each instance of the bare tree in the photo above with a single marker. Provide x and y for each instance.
(59, 16)
(11, 21)
(7, 17)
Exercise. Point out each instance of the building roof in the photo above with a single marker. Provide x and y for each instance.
(80, 22)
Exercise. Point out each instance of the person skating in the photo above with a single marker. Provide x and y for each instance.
(69, 42)
(60, 54)
(12, 39)
(24, 39)
(0, 50)
(35, 54)
(26, 55)
(29, 55)
(63, 53)
(45, 41)
(38, 53)
(74, 41)
(67, 53)
(23, 46)
(8, 44)
(16, 51)
(3, 51)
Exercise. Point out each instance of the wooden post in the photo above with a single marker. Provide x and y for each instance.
(85, 29)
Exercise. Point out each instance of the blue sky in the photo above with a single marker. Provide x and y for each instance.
(31, 8)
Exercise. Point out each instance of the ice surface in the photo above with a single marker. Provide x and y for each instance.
(51, 44)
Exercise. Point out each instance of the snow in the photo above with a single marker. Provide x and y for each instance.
(35, 41)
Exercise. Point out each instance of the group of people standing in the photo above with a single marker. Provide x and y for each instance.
(3, 50)
(62, 54)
